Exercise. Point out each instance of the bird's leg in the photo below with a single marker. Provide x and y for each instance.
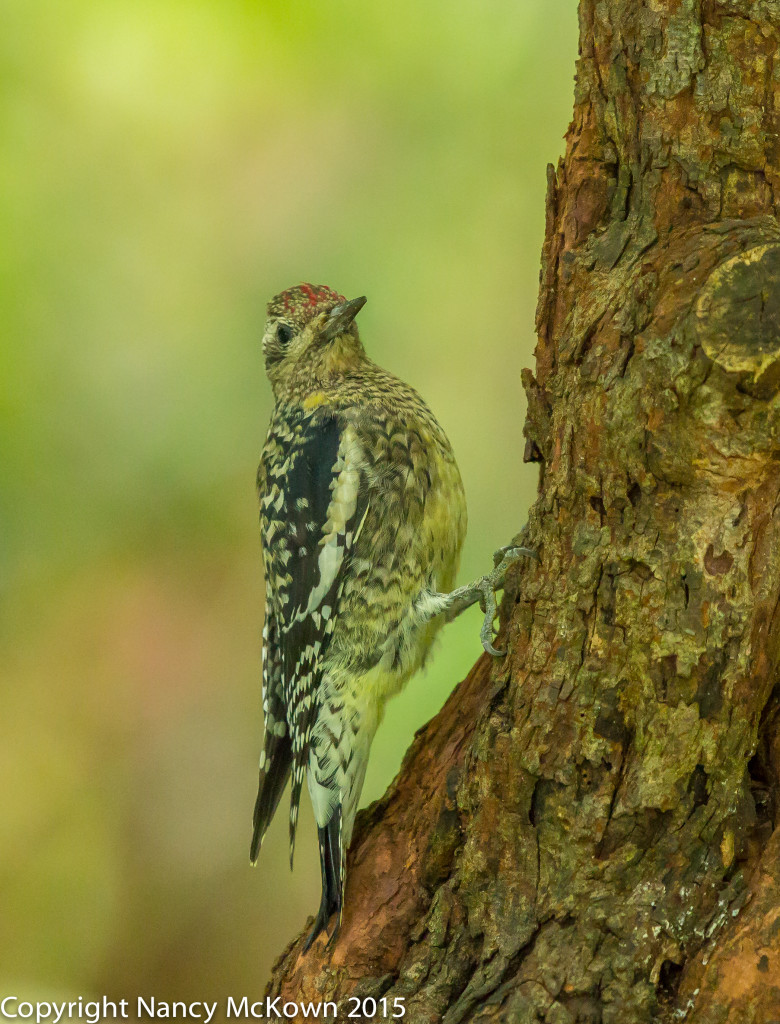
(483, 591)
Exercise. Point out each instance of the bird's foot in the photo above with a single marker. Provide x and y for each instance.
(513, 552)
(484, 590)
(489, 584)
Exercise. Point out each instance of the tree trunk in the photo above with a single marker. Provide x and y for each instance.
(586, 830)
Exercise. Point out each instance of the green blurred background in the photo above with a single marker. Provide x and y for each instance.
(167, 166)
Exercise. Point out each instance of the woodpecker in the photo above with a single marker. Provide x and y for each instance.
(363, 517)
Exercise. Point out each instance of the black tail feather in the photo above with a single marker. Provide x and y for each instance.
(330, 864)
(273, 779)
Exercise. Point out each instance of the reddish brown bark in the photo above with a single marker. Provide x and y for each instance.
(587, 830)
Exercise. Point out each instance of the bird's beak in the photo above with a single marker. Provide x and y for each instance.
(341, 317)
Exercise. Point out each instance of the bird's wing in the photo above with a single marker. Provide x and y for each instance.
(313, 505)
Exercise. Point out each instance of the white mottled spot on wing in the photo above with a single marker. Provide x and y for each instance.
(344, 498)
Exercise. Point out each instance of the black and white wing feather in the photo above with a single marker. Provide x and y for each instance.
(313, 503)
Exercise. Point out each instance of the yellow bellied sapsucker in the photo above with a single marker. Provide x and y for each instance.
(363, 516)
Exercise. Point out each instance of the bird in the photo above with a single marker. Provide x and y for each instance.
(363, 517)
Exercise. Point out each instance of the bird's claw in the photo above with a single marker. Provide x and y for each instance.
(488, 585)
(512, 552)
(487, 602)
(483, 592)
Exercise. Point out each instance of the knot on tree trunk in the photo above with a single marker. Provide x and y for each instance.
(737, 317)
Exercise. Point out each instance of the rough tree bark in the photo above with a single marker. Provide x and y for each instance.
(586, 832)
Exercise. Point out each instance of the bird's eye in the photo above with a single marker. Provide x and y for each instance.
(283, 333)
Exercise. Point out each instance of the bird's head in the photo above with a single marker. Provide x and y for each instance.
(310, 335)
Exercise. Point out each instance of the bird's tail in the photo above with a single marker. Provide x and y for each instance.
(332, 868)
(275, 763)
